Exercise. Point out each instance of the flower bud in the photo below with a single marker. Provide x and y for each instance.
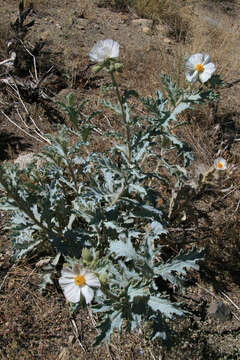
(87, 255)
(111, 68)
(118, 67)
(97, 68)
(103, 278)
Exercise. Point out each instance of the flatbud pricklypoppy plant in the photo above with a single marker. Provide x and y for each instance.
(100, 212)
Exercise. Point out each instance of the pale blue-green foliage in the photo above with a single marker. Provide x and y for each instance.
(105, 202)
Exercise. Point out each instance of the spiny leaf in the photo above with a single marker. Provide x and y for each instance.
(107, 326)
(164, 306)
(123, 249)
(179, 265)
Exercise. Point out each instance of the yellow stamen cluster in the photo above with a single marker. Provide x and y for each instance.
(219, 165)
(199, 68)
(79, 280)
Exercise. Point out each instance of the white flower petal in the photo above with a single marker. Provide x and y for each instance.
(104, 49)
(67, 272)
(206, 59)
(205, 76)
(88, 293)
(115, 49)
(68, 287)
(83, 272)
(65, 281)
(67, 276)
(92, 280)
(194, 60)
(192, 76)
(210, 67)
(72, 293)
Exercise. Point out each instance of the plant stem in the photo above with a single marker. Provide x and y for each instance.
(128, 134)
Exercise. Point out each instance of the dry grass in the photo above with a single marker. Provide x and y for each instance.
(155, 9)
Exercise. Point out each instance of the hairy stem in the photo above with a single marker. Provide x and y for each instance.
(128, 134)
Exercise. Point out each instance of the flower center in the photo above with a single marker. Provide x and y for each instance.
(199, 68)
(219, 165)
(79, 280)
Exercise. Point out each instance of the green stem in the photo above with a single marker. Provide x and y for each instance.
(128, 134)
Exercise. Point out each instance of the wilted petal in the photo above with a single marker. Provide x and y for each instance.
(76, 269)
(88, 293)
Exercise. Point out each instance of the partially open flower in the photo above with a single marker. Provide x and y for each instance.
(104, 49)
(77, 283)
(220, 164)
(199, 67)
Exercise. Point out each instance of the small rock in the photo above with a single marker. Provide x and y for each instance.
(82, 22)
(44, 35)
(219, 311)
(167, 41)
(71, 340)
(163, 29)
(143, 22)
(147, 30)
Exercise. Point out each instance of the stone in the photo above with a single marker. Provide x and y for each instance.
(143, 22)
(219, 311)
(81, 23)
(167, 41)
(162, 29)
(147, 30)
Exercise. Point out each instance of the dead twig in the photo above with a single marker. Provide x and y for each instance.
(19, 127)
(231, 84)
(233, 303)
(95, 324)
(76, 333)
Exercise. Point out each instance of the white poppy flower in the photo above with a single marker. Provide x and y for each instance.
(103, 50)
(220, 164)
(198, 66)
(77, 283)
